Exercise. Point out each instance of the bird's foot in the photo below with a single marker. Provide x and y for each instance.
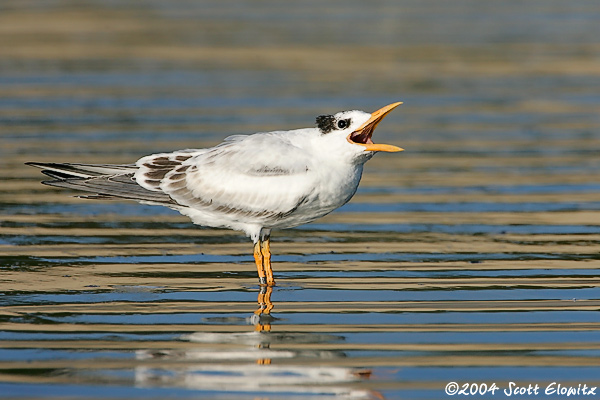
(264, 282)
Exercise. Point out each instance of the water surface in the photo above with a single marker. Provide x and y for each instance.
(470, 257)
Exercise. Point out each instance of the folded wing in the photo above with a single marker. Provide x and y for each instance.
(256, 177)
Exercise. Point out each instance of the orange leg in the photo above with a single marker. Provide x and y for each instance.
(259, 259)
(266, 252)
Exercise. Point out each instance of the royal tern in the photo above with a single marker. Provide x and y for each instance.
(251, 183)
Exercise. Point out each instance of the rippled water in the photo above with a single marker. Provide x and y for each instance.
(471, 257)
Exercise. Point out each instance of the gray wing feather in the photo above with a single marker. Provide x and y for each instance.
(92, 178)
(84, 170)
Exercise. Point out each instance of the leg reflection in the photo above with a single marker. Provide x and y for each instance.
(264, 302)
(263, 322)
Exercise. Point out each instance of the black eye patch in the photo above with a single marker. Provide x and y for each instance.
(326, 123)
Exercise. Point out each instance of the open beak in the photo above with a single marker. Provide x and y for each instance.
(362, 136)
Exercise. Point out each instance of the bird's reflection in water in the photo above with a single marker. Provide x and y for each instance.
(245, 362)
(263, 318)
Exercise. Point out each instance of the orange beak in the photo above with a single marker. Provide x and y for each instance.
(362, 136)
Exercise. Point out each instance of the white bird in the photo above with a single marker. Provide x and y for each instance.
(251, 183)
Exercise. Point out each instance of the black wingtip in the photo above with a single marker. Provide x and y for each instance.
(41, 164)
(48, 172)
(57, 175)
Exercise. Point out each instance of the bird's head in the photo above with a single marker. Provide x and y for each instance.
(354, 131)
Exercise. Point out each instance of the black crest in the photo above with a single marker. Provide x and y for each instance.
(326, 123)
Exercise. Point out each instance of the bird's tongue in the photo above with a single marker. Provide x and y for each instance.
(363, 136)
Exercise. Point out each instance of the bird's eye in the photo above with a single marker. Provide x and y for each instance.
(343, 123)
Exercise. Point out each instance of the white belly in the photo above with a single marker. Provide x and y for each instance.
(334, 189)
(329, 189)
